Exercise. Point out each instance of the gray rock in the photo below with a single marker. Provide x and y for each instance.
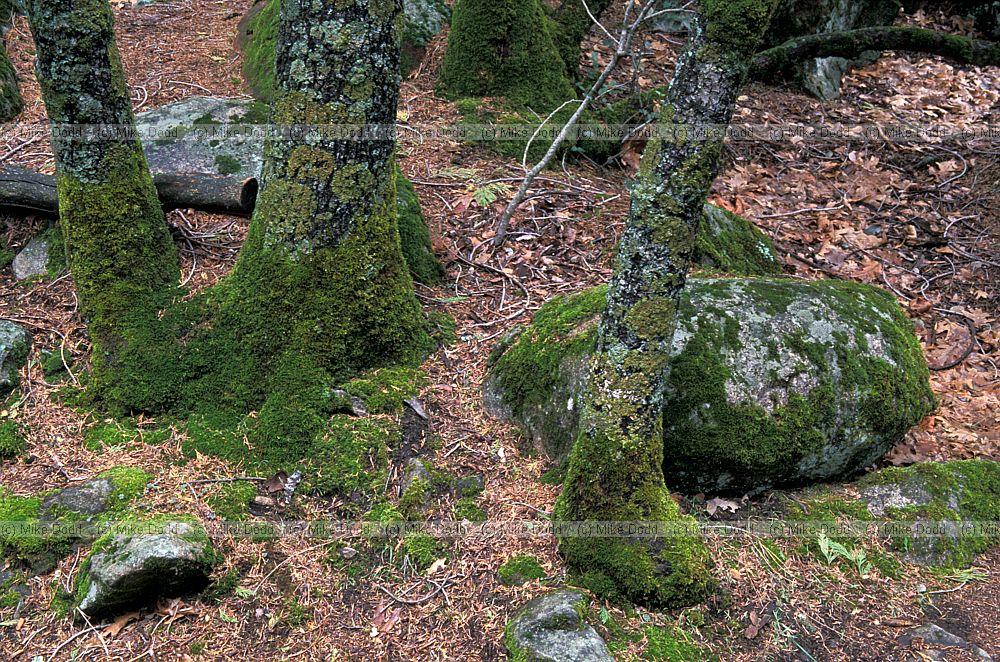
(89, 498)
(134, 569)
(772, 382)
(415, 471)
(191, 136)
(14, 346)
(935, 635)
(551, 628)
(33, 260)
(795, 18)
(469, 486)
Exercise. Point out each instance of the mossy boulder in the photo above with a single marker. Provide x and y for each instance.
(773, 382)
(731, 244)
(141, 561)
(12, 441)
(198, 135)
(552, 628)
(14, 345)
(943, 504)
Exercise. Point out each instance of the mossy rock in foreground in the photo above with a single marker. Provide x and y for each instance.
(773, 382)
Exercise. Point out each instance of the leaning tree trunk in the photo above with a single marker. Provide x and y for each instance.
(321, 289)
(117, 241)
(616, 466)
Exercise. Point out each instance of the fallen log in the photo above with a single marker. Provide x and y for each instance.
(23, 190)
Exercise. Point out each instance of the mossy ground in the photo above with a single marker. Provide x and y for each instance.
(520, 570)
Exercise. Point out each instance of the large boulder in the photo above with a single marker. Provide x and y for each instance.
(551, 628)
(14, 345)
(797, 18)
(773, 382)
(215, 136)
(166, 557)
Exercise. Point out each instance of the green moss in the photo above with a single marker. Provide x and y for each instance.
(520, 570)
(671, 644)
(112, 433)
(11, 104)
(731, 244)
(962, 491)
(258, 47)
(466, 509)
(231, 504)
(414, 498)
(504, 48)
(12, 441)
(422, 550)
(385, 390)
(414, 237)
(42, 548)
(295, 613)
(227, 165)
(6, 254)
(222, 587)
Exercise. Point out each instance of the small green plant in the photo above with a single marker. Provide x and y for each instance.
(832, 550)
(520, 570)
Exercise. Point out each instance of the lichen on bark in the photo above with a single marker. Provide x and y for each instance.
(615, 469)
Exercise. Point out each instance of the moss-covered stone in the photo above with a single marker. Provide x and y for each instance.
(731, 244)
(466, 508)
(46, 517)
(953, 508)
(15, 343)
(504, 48)
(520, 570)
(553, 626)
(423, 550)
(231, 502)
(771, 382)
(140, 560)
(671, 644)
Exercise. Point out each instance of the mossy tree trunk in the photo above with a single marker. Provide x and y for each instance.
(616, 466)
(321, 289)
(117, 240)
(574, 23)
(11, 104)
(504, 48)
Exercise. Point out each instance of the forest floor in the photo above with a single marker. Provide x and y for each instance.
(915, 219)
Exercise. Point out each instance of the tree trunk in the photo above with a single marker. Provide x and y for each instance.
(781, 61)
(616, 466)
(117, 241)
(574, 24)
(504, 48)
(321, 290)
(11, 104)
(27, 190)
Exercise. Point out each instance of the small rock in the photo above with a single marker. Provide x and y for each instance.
(874, 230)
(89, 498)
(551, 628)
(14, 345)
(353, 403)
(416, 470)
(934, 635)
(347, 553)
(135, 570)
(417, 407)
(33, 260)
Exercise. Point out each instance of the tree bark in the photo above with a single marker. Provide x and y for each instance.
(26, 190)
(574, 24)
(11, 104)
(117, 240)
(321, 290)
(616, 466)
(780, 61)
